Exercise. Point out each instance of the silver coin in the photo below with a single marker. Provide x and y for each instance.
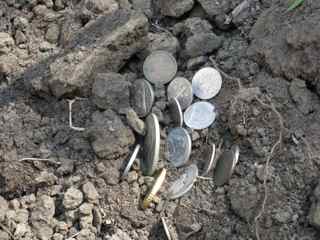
(181, 89)
(206, 83)
(184, 183)
(160, 67)
(178, 146)
(176, 112)
(166, 229)
(131, 161)
(200, 115)
(151, 145)
(225, 165)
(210, 162)
(142, 97)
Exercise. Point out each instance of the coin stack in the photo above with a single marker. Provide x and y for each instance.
(160, 68)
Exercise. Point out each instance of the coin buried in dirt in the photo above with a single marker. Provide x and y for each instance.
(160, 67)
(151, 146)
(176, 112)
(184, 183)
(178, 146)
(200, 115)
(181, 89)
(206, 83)
(225, 165)
(142, 97)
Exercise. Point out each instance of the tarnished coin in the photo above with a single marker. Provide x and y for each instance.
(206, 83)
(176, 112)
(160, 67)
(181, 89)
(209, 162)
(178, 146)
(151, 146)
(131, 161)
(184, 183)
(200, 115)
(225, 165)
(142, 97)
(166, 229)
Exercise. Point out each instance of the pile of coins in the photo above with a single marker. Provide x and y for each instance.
(160, 68)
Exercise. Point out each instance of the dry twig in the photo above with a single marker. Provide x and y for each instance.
(40, 159)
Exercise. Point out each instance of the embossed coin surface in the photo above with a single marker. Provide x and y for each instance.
(151, 146)
(178, 146)
(131, 160)
(176, 112)
(184, 183)
(160, 67)
(225, 165)
(199, 115)
(206, 83)
(181, 89)
(142, 97)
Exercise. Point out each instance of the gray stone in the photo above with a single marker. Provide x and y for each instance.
(72, 198)
(20, 23)
(107, 127)
(59, 4)
(104, 44)
(175, 8)
(52, 34)
(4, 206)
(6, 43)
(57, 236)
(86, 209)
(90, 192)
(71, 217)
(111, 90)
(196, 63)
(112, 176)
(47, 178)
(196, 25)
(22, 231)
(4, 235)
(101, 6)
(202, 44)
(118, 235)
(20, 37)
(22, 215)
(213, 8)
(132, 176)
(62, 227)
(143, 5)
(86, 234)
(314, 215)
(135, 122)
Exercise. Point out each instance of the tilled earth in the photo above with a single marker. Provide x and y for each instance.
(54, 51)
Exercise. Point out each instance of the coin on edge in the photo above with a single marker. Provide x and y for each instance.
(178, 146)
(200, 115)
(166, 229)
(152, 194)
(184, 183)
(206, 83)
(176, 112)
(181, 89)
(131, 161)
(151, 146)
(225, 165)
(160, 67)
(210, 161)
(142, 97)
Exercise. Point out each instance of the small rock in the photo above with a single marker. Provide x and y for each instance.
(4, 235)
(118, 235)
(175, 8)
(20, 37)
(47, 178)
(283, 215)
(112, 176)
(135, 122)
(241, 130)
(59, 4)
(72, 216)
(45, 46)
(107, 127)
(14, 204)
(85, 222)
(22, 215)
(85, 209)
(158, 113)
(52, 34)
(57, 236)
(20, 23)
(202, 44)
(161, 105)
(6, 43)
(195, 26)
(90, 192)
(62, 227)
(149, 181)
(101, 6)
(4, 206)
(197, 62)
(66, 167)
(111, 90)
(261, 172)
(314, 215)
(132, 176)
(72, 198)
(21, 231)
(48, 3)
(213, 8)
(86, 234)
(143, 5)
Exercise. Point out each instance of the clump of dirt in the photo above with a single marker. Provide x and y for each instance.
(58, 182)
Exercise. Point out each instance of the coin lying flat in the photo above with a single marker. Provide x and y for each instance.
(178, 146)
(176, 112)
(166, 229)
(225, 165)
(184, 183)
(210, 161)
(142, 97)
(181, 89)
(206, 83)
(200, 115)
(160, 67)
(151, 146)
(131, 161)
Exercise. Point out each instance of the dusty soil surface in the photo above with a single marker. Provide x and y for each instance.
(55, 51)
